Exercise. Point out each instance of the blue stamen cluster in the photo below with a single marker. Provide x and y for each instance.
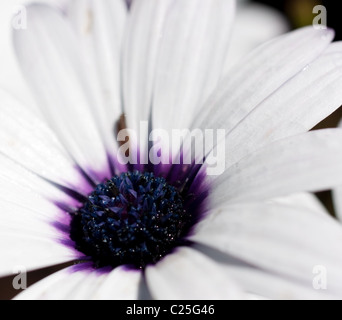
(133, 219)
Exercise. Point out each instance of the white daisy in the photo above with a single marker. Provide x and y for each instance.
(170, 231)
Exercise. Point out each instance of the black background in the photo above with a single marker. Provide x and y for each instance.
(288, 7)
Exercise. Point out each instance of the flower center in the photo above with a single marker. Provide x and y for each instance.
(133, 219)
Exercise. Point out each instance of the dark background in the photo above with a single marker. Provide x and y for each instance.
(299, 13)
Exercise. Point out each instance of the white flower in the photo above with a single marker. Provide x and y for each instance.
(163, 62)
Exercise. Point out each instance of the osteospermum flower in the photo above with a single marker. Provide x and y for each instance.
(169, 230)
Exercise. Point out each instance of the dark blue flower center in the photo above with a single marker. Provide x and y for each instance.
(133, 219)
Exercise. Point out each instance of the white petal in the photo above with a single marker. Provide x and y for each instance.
(307, 162)
(28, 236)
(16, 183)
(52, 63)
(254, 25)
(173, 57)
(120, 284)
(10, 77)
(28, 141)
(100, 26)
(20, 250)
(28, 220)
(56, 286)
(267, 285)
(192, 52)
(141, 46)
(259, 75)
(188, 274)
(279, 239)
(77, 284)
(302, 200)
(300, 104)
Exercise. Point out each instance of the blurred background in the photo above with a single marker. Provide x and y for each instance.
(258, 21)
(299, 12)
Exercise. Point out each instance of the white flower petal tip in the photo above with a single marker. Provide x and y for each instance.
(280, 240)
(307, 162)
(296, 107)
(280, 104)
(327, 34)
(188, 274)
(82, 282)
(306, 201)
